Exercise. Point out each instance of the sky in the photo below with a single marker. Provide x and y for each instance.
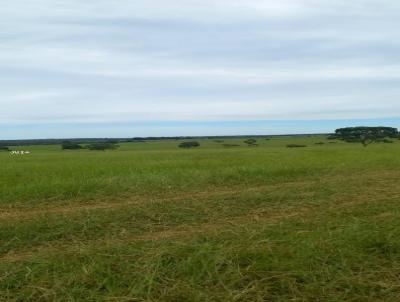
(126, 68)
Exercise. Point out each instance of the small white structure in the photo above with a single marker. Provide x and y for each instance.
(19, 152)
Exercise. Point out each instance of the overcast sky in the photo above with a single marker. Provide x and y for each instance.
(117, 68)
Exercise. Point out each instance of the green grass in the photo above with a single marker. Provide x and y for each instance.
(152, 222)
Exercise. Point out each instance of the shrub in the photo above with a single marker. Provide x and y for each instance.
(101, 146)
(4, 148)
(295, 146)
(68, 145)
(320, 143)
(187, 145)
(251, 142)
(231, 145)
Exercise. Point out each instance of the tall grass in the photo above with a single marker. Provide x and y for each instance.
(151, 222)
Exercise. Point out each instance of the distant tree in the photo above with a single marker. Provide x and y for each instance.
(4, 148)
(68, 145)
(112, 141)
(365, 135)
(251, 142)
(187, 145)
(102, 146)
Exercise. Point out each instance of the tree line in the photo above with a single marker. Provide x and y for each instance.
(362, 134)
(99, 145)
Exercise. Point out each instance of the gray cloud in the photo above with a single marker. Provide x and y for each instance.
(153, 60)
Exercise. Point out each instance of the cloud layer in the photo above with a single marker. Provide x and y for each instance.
(104, 62)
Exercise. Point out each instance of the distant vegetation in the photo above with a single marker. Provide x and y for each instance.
(187, 145)
(68, 145)
(295, 146)
(102, 146)
(85, 141)
(4, 148)
(251, 142)
(108, 144)
(44, 142)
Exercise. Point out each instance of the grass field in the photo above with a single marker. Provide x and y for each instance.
(152, 222)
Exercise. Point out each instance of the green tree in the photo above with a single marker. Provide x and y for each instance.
(365, 135)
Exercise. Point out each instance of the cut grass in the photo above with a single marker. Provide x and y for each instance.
(323, 256)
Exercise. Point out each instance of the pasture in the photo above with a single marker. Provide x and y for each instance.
(152, 222)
